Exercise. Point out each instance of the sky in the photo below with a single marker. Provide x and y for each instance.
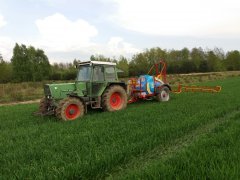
(77, 29)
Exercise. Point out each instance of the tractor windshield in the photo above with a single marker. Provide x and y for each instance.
(84, 73)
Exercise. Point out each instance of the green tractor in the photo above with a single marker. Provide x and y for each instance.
(97, 85)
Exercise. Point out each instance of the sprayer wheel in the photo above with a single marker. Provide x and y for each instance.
(163, 95)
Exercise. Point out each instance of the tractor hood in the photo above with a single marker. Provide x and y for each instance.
(59, 91)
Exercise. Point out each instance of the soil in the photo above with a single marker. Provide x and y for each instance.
(22, 102)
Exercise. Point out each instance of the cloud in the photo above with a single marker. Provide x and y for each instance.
(6, 43)
(6, 47)
(184, 18)
(2, 21)
(63, 40)
(57, 33)
(116, 46)
(60, 35)
(51, 3)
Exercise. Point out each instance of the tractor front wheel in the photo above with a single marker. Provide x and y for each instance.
(163, 94)
(70, 109)
(114, 98)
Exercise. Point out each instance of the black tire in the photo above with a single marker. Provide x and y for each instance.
(114, 98)
(70, 109)
(163, 95)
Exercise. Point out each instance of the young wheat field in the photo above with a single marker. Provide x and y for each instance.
(193, 136)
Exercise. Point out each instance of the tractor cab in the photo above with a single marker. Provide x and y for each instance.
(97, 71)
(94, 76)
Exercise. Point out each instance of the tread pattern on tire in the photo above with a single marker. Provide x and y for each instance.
(107, 94)
(60, 110)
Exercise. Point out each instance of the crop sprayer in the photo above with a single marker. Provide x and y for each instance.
(97, 86)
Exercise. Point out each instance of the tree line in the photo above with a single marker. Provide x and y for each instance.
(31, 64)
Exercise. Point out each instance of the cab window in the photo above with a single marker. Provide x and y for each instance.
(98, 73)
(84, 73)
(110, 73)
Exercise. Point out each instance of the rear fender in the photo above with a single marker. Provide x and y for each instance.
(164, 85)
(123, 84)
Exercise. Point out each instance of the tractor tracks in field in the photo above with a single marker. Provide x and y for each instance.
(164, 152)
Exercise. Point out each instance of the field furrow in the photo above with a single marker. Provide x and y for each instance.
(162, 153)
(215, 155)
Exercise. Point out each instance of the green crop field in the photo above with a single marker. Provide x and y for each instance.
(193, 136)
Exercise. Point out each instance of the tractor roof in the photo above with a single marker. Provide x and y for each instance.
(97, 62)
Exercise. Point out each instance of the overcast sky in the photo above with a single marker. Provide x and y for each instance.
(68, 29)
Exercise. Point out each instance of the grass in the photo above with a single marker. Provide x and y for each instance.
(12, 92)
(15, 92)
(194, 135)
(174, 79)
(213, 156)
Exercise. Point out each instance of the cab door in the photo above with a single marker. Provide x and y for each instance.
(98, 81)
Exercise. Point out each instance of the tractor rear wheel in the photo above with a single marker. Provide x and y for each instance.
(114, 98)
(70, 109)
(163, 94)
